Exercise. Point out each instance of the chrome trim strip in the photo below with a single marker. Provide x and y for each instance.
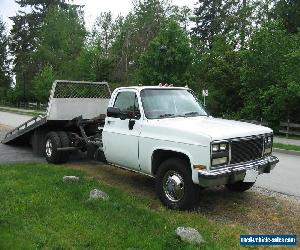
(268, 160)
(229, 153)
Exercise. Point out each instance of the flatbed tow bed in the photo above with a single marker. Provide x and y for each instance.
(76, 108)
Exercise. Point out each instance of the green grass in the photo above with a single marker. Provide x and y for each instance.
(296, 137)
(38, 210)
(286, 146)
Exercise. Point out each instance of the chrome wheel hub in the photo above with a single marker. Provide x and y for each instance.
(48, 148)
(173, 186)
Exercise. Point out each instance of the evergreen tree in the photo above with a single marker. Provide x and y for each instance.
(168, 58)
(210, 20)
(289, 12)
(4, 63)
(60, 43)
(24, 41)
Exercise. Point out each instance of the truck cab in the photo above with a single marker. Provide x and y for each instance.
(166, 133)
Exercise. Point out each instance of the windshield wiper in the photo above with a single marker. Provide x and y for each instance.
(192, 113)
(166, 115)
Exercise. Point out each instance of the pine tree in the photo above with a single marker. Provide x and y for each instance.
(24, 41)
(4, 63)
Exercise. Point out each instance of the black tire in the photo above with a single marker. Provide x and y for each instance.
(175, 174)
(240, 186)
(52, 142)
(65, 142)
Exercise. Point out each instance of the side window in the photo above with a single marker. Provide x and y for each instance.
(127, 102)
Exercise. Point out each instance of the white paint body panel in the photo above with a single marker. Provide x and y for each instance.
(191, 136)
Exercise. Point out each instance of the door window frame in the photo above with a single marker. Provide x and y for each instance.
(138, 100)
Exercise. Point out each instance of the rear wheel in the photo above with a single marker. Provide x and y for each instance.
(65, 142)
(240, 186)
(52, 142)
(174, 184)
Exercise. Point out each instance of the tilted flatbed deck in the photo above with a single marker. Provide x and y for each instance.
(68, 100)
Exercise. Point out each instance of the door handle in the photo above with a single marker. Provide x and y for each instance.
(109, 122)
(131, 124)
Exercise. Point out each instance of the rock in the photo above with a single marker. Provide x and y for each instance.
(189, 235)
(70, 178)
(98, 194)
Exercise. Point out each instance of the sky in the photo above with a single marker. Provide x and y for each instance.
(92, 8)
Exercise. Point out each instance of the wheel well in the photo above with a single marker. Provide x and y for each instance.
(161, 155)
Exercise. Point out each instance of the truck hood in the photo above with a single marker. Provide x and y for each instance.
(215, 128)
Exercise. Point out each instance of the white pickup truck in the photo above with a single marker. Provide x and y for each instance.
(165, 132)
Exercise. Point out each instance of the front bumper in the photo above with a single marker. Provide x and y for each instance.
(236, 172)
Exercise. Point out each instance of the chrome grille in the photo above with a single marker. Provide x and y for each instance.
(246, 149)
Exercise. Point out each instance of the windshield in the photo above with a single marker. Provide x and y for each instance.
(163, 103)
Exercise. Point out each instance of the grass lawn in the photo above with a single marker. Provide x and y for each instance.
(286, 146)
(38, 210)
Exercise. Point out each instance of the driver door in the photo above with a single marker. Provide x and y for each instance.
(121, 137)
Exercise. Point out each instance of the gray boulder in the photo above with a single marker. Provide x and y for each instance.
(70, 178)
(189, 235)
(98, 194)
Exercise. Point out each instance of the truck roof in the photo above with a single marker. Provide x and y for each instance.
(139, 88)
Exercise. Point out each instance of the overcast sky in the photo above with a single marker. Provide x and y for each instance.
(92, 8)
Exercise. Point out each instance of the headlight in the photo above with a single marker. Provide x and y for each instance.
(219, 161)
(268, 140)
(215, 147)
(220, 153)
(223, 146)
(219, 146)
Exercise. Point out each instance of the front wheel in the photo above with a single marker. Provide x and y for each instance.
(240, 186)
(174, 184)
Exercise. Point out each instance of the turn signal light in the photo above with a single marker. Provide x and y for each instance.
(199, 166)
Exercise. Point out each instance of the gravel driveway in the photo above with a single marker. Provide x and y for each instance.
(13, 120)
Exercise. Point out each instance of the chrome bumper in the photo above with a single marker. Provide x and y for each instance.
(236, 172)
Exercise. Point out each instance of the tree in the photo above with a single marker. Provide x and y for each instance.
(270, 75)
(139, 28)
(168, 58)
(4, 62)
(60, 41)
(218, 70)
(289, 12)
(24, 41)
(210, 20)
(42, 83)
(104, 34)
(234, 20)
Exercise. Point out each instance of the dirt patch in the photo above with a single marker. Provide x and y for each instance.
(260, 213)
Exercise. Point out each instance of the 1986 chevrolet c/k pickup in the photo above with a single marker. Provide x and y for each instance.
(165, 132)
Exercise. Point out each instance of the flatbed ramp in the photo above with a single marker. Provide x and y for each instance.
(68, 100)
(24, 129)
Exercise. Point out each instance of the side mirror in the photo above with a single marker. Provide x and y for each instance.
(115, 113)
